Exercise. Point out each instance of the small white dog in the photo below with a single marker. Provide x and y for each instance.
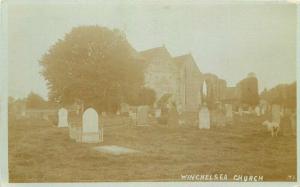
(272, 126)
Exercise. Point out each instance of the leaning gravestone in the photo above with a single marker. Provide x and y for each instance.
(62, 117)
(90, 127)
(276, 113)
(204, 118)
(142, 115)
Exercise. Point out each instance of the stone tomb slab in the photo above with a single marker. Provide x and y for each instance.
(115, 150)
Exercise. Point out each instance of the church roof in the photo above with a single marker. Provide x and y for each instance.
(179, 60)
(150, 53)
(183, 57)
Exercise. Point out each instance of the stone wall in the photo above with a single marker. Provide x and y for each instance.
(179, 76)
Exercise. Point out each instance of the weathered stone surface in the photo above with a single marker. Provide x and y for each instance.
(62, 117)
(204, 118)
(90, 127)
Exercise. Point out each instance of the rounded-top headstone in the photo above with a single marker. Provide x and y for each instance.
(90, 121)
(62, 117)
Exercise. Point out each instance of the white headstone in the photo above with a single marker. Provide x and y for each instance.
(204, 118)
(90, 127)
(228, 108)
(62, 117)
(276, 113)
(132, 115)
(157, 113)
(257, 111)
(142, 115)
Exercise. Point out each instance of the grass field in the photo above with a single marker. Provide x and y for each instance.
(41, 152)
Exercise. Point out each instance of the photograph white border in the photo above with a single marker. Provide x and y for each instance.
(4, 95)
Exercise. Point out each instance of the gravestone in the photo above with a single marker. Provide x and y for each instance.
(276, 113)
(62, 117)
(142, 115)
(240, 112)
(228, 113)
(257, 111)
(157, 113)
(90, 127)
(132, 115)
(204, 118)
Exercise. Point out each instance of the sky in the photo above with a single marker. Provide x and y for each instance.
(226, 39)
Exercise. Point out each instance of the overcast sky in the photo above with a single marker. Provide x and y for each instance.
(229, 40)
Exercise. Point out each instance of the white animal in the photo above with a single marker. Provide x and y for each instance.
(273, 127)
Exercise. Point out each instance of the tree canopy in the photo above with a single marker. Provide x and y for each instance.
(284, 95)
(35, 101)
(249, 91)
(95, 65)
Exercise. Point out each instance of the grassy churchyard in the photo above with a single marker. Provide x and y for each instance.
(41, 152)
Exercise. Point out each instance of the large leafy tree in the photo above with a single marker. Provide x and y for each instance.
(95, 65)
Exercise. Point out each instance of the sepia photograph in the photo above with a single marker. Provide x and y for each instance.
(151, 91)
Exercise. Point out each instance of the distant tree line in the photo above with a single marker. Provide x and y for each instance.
(32, 101)
(283, 94)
